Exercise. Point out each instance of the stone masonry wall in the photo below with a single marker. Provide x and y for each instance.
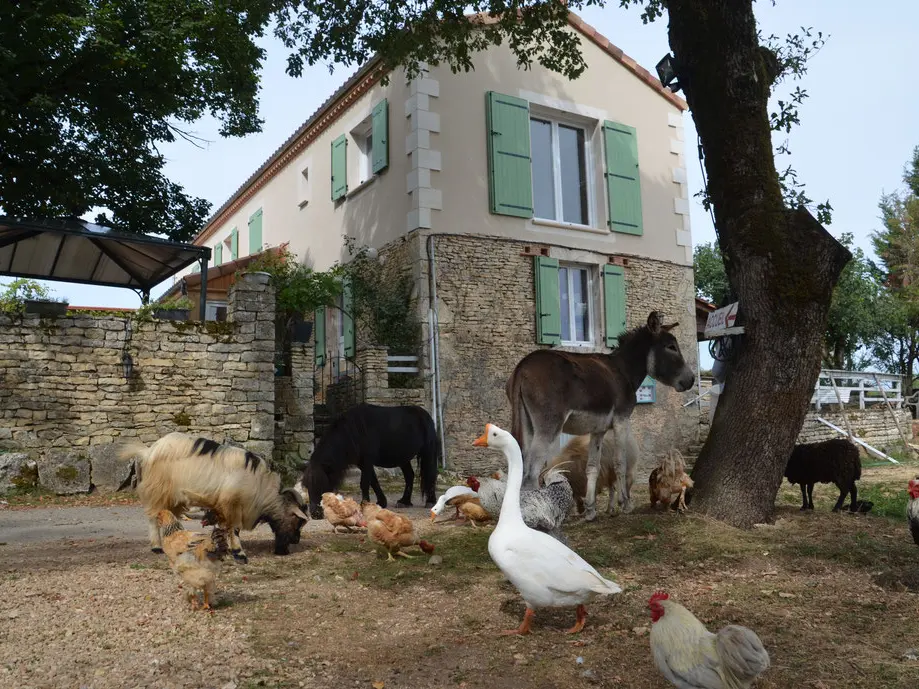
(874, 425)
(64, 400)
(486, 315)
(294, 397)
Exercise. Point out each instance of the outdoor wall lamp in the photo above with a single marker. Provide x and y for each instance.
(127, 364)
(666, 72)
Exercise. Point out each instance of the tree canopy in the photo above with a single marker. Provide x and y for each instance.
(897, 245)
(90, 90)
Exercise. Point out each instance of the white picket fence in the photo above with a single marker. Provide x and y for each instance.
(865, 385)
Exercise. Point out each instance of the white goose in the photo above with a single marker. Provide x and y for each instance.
(547, 573)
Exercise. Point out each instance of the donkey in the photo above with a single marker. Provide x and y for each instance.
(551, 391)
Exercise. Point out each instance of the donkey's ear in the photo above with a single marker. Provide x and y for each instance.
(668, 328)
(655, 321)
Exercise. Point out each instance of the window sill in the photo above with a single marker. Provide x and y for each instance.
(577, 345)
(360, 187)
(568, 226)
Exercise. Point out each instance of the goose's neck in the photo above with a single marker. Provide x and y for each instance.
(510, 506)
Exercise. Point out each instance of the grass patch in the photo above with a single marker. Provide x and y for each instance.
(889, 500)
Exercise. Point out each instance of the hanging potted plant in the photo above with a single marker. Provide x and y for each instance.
(28, 296)
(173, 309)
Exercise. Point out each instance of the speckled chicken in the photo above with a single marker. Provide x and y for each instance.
(341, 511)
(193, 556)
(544, 509)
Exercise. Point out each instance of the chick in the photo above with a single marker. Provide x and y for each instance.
(193, 556)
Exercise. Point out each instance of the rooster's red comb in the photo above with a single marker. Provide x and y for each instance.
(659, 595)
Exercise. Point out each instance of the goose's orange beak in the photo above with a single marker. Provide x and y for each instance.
(482, 440)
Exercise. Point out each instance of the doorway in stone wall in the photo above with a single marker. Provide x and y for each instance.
(338, 385)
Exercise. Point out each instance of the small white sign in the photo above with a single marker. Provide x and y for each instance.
(724, 317)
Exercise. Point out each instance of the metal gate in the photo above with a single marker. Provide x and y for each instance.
(338, 386)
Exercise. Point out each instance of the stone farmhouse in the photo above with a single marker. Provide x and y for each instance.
(530, 211)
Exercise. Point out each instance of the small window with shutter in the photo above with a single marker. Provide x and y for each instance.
(255, 232)
(614, 303)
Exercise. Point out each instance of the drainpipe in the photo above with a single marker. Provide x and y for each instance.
(434, 348)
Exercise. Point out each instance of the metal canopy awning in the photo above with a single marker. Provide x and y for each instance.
(73, 250)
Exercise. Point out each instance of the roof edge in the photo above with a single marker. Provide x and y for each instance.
(616, 53)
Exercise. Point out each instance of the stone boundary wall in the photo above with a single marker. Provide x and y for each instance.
(874, 426)
(65, 403)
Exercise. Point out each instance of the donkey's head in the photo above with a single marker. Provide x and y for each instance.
(665, 361)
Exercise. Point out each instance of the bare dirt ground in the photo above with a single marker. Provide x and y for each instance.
(833, 596)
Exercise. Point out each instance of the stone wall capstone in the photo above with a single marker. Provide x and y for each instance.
(64, 396)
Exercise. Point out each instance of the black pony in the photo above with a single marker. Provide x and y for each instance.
(368, 436)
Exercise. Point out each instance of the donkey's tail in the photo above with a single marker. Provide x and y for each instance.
(518, 407)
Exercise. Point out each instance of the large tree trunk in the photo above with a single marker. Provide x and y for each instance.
(781, 263)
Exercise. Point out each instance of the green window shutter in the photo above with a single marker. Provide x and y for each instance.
(218, 254)
(196, 268)
(234, 244)
(623, 183)
(507, 122)
(339, 167)
(347, 304)
(255, 232)
(614, 303)
(319, 331)
(380, 136)
(548, 301)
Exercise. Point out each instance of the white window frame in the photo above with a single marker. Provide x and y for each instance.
(570, 267)
(362, 135)
(589, 129)
(304, 189)
(211, 307)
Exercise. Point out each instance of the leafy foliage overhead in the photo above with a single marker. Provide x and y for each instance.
(89, 89)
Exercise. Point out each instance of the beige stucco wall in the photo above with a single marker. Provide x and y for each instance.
(450, 156)
(303, 213)
(607, 90)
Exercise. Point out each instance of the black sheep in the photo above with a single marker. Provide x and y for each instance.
(832, 461)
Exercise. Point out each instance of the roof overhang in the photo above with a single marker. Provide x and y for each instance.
(73, 250)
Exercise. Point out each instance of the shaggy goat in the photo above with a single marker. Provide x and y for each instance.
(832, 461)
(238, 486)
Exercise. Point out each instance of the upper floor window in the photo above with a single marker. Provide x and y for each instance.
(559, 164)
(364, 140)
(544, 164)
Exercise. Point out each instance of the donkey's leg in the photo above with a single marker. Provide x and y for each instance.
(627, 450)
(538, 453)
(593, 470)
(409, 475)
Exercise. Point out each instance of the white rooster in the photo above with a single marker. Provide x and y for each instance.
(691, 657)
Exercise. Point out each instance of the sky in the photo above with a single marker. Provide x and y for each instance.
(858, 127)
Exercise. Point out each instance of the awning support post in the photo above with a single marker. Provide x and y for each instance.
(203, 303)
